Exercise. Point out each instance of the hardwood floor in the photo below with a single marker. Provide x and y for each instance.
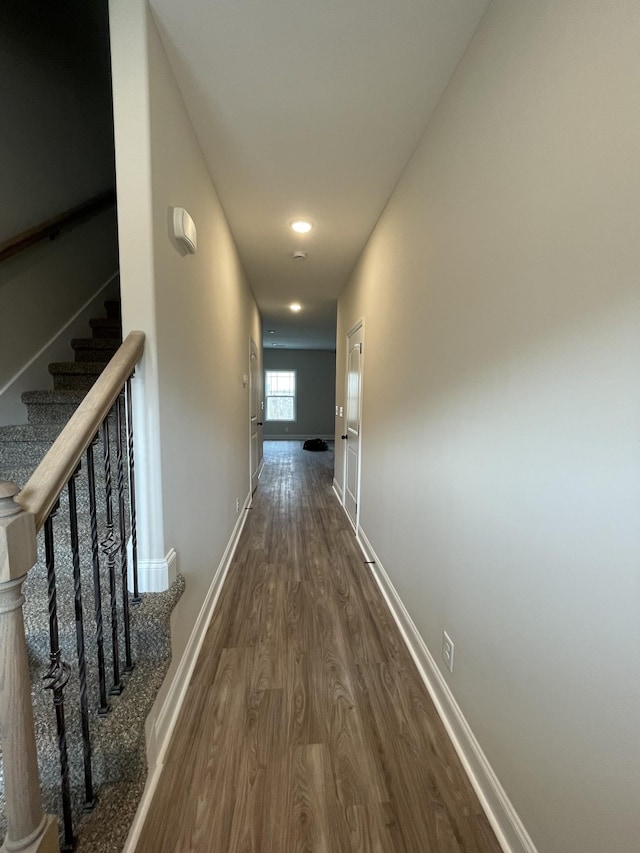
(306, 728)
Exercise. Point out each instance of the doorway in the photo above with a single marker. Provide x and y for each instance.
(353, 434)
(255, 415)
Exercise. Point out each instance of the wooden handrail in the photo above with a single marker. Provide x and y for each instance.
(51, 227)
(40, 494)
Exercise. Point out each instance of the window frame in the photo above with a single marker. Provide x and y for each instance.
(293, 397)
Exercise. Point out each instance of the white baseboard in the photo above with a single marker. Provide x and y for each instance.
(505, 822)
(160, 736)
(157, 575)
(337, 488)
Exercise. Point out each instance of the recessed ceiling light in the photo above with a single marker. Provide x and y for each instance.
(301, 226)
(295, 306)
(271, 331)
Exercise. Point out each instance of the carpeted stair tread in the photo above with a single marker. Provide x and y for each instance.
(42, 402)
(27, 452)
(95, 349)
(75, 368)
(51, 407)
(52, 398)
(23, 453)
(75, 375)
(13, 472)
(29, 433)
(93, 343)
(106, 327)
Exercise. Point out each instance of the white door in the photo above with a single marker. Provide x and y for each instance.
(352, 436)
(255, 415)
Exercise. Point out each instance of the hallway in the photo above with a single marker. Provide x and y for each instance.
(306, 726)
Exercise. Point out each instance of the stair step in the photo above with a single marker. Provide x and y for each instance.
(23, 452)
(24, 446)
(16, 472)
(51, 407)
(75, 375)
(113, 309)
(106, 327)
(95, 349)
(29, 432)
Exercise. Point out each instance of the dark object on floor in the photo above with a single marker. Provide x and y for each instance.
(315, 444)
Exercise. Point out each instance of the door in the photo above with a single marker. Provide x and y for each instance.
(255, 415)
(352, 437)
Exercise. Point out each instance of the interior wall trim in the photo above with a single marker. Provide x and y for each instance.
(159, 736)
(157, 575)
(505, 822)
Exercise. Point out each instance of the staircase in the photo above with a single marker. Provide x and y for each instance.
(117, 737)
(23, 446)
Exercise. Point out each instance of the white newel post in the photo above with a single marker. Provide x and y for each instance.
(29, 830)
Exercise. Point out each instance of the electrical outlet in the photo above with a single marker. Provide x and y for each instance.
(447, 650)
(237, 504)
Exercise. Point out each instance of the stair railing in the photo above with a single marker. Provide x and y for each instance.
(22, 515)
(51, 228)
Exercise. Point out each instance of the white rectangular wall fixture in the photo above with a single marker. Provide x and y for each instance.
(184, 230)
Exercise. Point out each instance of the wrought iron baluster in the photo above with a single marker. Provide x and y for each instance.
(109, 548)
(55, 680)
(104, 706)
(90, 799)
(128, 663)
(132, 498)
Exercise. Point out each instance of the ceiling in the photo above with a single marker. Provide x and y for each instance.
(309, 109)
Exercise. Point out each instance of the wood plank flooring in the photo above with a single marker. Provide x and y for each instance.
(306, 728)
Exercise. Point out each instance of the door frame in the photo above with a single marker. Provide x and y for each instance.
(260, 412)
(358, 325)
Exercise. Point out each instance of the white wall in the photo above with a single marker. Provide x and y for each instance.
(501, 464)
(315, 396)
(56, 151)
(198, 313)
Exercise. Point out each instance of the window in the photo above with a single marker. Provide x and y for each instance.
(280, 393)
